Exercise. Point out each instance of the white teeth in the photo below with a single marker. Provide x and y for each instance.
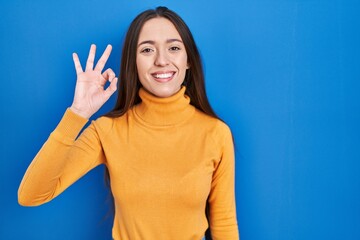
(163, 75)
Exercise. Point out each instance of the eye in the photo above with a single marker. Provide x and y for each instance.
(146, 50)
(174, 49)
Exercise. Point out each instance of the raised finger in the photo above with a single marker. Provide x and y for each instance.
(103, 59)
(77, 64)
(91, 57)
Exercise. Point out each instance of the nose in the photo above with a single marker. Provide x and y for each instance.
(161, 59)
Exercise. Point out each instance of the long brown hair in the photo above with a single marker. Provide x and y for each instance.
(129, 84)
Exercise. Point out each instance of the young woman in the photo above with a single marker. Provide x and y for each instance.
(169, 158)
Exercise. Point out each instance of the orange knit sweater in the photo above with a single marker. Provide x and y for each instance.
(165, 160)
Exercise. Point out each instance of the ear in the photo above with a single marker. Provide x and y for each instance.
(187, 65)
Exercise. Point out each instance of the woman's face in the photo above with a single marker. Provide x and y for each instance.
(161, 58)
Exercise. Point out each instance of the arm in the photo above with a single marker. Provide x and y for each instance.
(222, 209)
(62, 160)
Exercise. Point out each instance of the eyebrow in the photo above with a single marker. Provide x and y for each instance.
(153, 42)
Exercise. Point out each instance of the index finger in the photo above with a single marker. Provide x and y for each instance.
(77, 64)
(103, 59)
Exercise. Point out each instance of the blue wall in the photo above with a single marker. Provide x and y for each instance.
(285, 75)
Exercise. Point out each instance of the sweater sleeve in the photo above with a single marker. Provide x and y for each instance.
(222, 209)
(61, 161)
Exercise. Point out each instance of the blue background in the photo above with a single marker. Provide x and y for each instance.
(285, 75)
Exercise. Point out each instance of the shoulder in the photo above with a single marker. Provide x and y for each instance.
(104, 125)
(216, 127)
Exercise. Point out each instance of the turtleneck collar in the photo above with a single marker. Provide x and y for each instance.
(167, 111)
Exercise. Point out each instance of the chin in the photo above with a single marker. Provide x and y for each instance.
(164, 92)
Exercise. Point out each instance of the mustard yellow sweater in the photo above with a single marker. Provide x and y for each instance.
(165, 160)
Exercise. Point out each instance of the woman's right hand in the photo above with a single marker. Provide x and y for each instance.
(90, 94)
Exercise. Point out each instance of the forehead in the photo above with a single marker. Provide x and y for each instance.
(158, 29)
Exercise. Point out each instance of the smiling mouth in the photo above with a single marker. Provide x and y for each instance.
(163, 76)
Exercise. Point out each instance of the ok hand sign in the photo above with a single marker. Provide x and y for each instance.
(90, 94)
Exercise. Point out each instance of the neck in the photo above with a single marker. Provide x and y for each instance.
(167, 111)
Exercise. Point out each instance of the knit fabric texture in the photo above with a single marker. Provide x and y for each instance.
(166, 160)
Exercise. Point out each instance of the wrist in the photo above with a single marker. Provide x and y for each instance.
(80, 113)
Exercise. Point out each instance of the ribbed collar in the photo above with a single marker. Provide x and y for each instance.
(164, 111)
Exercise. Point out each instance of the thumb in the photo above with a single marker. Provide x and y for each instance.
(111, 88)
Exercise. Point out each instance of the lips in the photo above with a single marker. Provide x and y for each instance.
(163, 76)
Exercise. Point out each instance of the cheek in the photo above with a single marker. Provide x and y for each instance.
(183, 62)
(142, 65)
(139, 65)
